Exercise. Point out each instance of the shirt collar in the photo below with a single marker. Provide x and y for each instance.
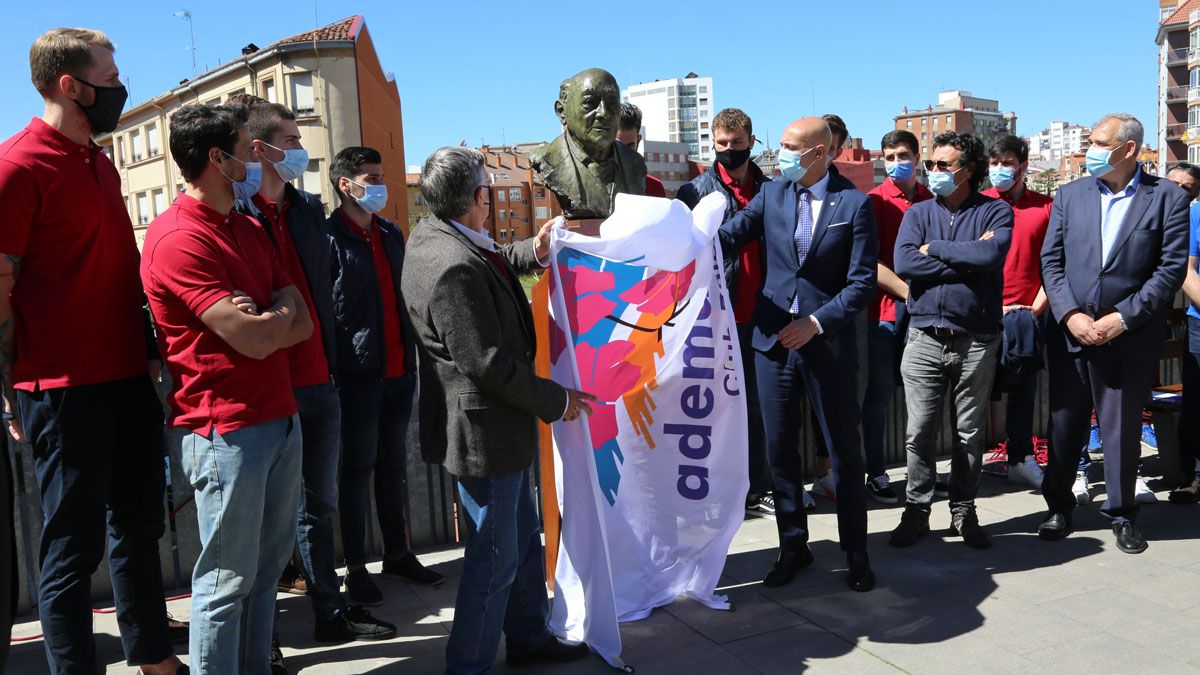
(203, 212)
(481, 239)
(56, 140)
(364, 234)
(1129, 189)
(818, 189)
(723, 174)
(577, 151)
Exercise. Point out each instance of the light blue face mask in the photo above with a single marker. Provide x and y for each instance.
(941, 183)
(293, 165)
(374, 197)
(244, 190)
(789, 164)
(899, 171)
(1002, 178)
(1097, 161)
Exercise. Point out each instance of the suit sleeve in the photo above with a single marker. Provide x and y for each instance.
(910, 263)
(1054, 272)
(860, 278)
(459, 310)
(981, 255)
(688, 194)
(521, 256)
(746, 225)
(1160, 289)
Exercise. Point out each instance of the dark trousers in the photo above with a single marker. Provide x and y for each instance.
(8, 553)
(375, 414)
(784, 375)
(1018, 418)
(1189, 422)
(760, 478)
(320, 426)
(98, 455)
(1119, 387)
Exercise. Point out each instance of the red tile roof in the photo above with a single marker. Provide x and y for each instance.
(346, 29)
(1181, 14)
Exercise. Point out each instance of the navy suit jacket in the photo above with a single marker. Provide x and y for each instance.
(1142, 275)
(838, 277)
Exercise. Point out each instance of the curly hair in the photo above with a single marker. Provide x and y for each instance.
(973, 154)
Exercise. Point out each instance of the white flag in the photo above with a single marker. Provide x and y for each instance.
(652, 485)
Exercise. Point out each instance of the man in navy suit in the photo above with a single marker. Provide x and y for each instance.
(820, 249)
(1114, 257)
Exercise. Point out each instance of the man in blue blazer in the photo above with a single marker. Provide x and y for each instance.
(820, 251)
(1114, 257)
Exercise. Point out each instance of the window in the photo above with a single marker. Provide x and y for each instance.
(120, 143)
(703, 112)
(302, 94)
(160, 201)
(514, 194)
(703, 89)
(503, 234)
(1193, 117)
(949, 119)
(143, 208)
(1194, 77)
(268, 90)
(672, 114)
(500, 194)
(1194, 154)
(419, 200)
(502, 215)
(704, 125)
(136, 140)
(542, 213)
(908, 123)
(1194, 38)
(311, 180)
(541, 193)
(673, 126)
(924, 120)
(152, 138)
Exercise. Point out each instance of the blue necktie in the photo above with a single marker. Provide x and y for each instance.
(802, 236)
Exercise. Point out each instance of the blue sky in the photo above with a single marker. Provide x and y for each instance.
(490, 72)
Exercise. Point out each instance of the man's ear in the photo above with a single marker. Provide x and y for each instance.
(561, 111)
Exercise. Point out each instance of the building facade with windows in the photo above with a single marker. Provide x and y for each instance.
(520, 201)
(1178, 82)
(677, 110)
(330, 77)
(667, 162)
(1059, 139)
(958, 111)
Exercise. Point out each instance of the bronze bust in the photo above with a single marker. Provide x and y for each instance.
(585, 167)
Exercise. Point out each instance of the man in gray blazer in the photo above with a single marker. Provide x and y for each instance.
(480, 400)
(1114, 257)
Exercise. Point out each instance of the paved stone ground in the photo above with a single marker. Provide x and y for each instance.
(1077, 605)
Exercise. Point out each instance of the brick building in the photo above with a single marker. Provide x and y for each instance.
(959, 111)
(1179, 81)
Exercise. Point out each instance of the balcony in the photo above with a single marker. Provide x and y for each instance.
(1192, 135)
(1177, 57)
(1175, 132)
(1176, 94)
(1194, 16)
(1193, 94)
(1193, 55)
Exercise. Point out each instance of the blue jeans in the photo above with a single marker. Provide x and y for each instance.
(375, 414)
(503, 583)
(98, 455)
(321, 430)
(247, 485)
(881, 386)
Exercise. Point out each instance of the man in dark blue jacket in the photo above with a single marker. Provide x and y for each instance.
(1114, 257)
(377, 369)
(295, 222)
(951, 251)
(820, 249)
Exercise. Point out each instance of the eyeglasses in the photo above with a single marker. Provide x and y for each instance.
(939, 165)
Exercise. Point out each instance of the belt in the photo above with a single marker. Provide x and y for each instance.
(938, 331)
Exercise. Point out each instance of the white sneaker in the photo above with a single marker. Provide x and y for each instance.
(823, 486)
(1142, 493)
(1027, 472)
(1082, 496)
(807, 501)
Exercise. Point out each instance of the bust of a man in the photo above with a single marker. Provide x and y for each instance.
(585, 167)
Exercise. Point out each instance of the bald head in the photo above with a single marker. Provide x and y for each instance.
(811, 137)
(589, 104)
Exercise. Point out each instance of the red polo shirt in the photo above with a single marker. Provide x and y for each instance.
(751, 272)
(307, 359)
(654, 187)
(193, 257)
(77, 301)
(393, 335)
(890, 204)
(1023, 266)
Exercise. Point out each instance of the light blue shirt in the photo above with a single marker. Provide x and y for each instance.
(1113, 208)
(481, 239)
(1194, 248)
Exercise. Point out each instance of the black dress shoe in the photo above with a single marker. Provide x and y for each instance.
(966, 525)
(411, 569)
(860, 578)
(552, 650)
(1129, 538)
(352, 623)
(914, 523)
(1056, 526)
(784, 569)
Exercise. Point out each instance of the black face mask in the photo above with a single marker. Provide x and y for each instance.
(105, 112)
(733, 160)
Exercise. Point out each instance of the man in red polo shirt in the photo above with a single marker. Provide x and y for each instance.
(890, 200)
(1009, 163)
(629, 132)
(738, 178)
(71, 313)
(295, 222)
(233, 412)
(376, 372)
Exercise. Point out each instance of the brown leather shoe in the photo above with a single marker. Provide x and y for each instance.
(1186, 495)
(292, 581)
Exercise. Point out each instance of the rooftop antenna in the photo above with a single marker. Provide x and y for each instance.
(187, 16)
